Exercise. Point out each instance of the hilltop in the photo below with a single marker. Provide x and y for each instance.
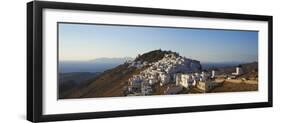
(154, 56)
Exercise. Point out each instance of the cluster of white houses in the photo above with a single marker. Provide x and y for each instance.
(179, 72)
(172, 69)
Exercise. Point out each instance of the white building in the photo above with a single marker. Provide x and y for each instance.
(204, 76)
(185, 80)
(164, 79)
(239, 71)
(197, 76)
(207, 85)
(213, 74)
(152, 81)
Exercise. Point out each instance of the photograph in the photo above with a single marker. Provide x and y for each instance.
(110, 60)
(87, 60)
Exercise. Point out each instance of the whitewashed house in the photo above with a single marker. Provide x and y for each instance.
(204, 76)
(213, 74)
(152, 81)
(185, 80)
(207, 85)
(164, 79)
(239, 71)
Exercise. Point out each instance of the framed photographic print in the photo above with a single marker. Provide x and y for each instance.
(96, 61)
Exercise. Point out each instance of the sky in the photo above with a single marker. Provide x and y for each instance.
(83, 42)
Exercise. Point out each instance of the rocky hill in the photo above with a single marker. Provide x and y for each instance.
(113, 82)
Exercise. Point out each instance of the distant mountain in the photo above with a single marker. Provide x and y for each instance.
(112, 82)
(112, 60)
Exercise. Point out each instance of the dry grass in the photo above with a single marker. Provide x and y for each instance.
(236, 87)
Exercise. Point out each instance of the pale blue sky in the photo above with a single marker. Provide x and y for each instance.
(82, 42)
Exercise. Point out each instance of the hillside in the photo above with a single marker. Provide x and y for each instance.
(68, 81)
(114, 82)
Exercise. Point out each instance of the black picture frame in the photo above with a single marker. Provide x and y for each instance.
(35, 69)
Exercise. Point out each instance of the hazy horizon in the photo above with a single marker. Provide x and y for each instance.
(84, 42)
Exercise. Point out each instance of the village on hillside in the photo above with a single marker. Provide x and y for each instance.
(109, 60)
(175, 74)
(161, 72)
